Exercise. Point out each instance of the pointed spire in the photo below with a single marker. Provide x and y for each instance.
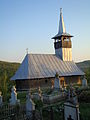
(61, 30)
(61, 24)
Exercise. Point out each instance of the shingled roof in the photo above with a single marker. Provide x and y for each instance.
(36, 66)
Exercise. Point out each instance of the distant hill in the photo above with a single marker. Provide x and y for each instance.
(85, 65)
(8, 68)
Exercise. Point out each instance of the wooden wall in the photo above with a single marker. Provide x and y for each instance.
(71, 79)
(27, 84)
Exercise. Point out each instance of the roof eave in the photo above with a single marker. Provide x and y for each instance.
(58, 37)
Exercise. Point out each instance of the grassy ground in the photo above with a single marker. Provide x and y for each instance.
(22, 97)
(84, 106)
(85, 111)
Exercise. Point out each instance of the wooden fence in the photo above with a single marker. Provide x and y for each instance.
(17, 112)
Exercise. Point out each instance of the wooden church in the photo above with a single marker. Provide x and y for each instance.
(40, 69)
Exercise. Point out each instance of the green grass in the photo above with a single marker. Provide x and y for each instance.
(85, 111)
(22, 97)
(57, 115)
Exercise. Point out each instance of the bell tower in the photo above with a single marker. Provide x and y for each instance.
(62, 41)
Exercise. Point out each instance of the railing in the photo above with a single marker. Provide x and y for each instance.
(7, 111)
(17, 112)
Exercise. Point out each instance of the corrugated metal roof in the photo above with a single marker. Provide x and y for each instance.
(44, 66)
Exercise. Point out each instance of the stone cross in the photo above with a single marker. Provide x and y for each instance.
(84, 82)
(72, 95)
(52, 87)
(30, 106)
(57, 82)
(13, 100)
(39, 91)
(71, 106)
(40, 94)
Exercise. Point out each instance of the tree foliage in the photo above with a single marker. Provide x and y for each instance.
(7, 70)
(88, 75)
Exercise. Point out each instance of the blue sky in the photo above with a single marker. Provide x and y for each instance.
(32, 23)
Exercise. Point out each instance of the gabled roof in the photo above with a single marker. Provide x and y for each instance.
(36, 66)
(62, 29)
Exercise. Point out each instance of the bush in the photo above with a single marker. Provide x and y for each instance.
(22, 96)
(38, 104)
(84, 97)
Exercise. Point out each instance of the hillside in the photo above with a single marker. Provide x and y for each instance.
(85, 65)
(8, 68)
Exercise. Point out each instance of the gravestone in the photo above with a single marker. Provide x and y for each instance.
(0, 98)
(71, 106)
(13, 99)
(84, 82)
(57, 82)
(30, 106)
(40, 94)
(52, 87)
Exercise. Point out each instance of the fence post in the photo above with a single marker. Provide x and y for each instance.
(41, 115)
(52, 114)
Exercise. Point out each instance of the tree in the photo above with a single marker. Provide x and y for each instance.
(3, 85)
(88, 75)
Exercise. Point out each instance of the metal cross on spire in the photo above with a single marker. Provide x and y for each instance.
(27, 50)
(60, 10)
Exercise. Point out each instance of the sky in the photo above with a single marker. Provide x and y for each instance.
(32, 23)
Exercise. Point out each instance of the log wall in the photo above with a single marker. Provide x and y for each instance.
(27, 84)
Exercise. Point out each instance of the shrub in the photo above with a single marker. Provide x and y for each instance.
(84, 97)
(38, 104)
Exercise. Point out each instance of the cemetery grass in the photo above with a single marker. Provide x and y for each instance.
(84, 106)
(85, 110)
